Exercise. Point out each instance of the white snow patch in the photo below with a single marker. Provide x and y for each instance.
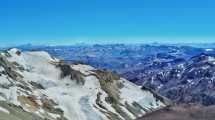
(211, 59)
(4, 110)
(209, 49)
(10, 94)
(55, 116)
(131, 93)
(4, 80)
(85, 69)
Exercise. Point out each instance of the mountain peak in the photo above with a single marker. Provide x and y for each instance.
(51, 89)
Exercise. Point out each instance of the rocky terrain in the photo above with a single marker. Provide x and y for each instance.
(191, 81)
(37, 86)
(183, 112)
(184, 74)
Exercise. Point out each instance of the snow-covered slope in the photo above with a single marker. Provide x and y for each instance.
(54, 90)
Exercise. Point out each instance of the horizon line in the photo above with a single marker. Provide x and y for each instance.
(91, 44)
(109, 40)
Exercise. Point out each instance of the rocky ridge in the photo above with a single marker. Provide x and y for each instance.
(40, 87)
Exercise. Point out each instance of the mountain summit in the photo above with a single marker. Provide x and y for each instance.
(37, 86)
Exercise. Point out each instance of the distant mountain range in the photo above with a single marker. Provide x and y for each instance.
(184, 81)
(185, 74)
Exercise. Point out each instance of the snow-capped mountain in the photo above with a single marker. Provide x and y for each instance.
(36, 86)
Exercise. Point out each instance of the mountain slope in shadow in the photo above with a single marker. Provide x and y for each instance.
(183, 112)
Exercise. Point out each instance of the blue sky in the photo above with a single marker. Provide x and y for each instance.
(106, 21)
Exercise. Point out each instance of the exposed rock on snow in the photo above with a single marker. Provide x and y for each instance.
(51, 89)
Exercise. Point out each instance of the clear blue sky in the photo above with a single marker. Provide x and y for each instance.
(70, 21)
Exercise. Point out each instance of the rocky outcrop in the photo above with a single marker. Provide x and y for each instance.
(9, 68)
(66, 70)
(16, 113)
